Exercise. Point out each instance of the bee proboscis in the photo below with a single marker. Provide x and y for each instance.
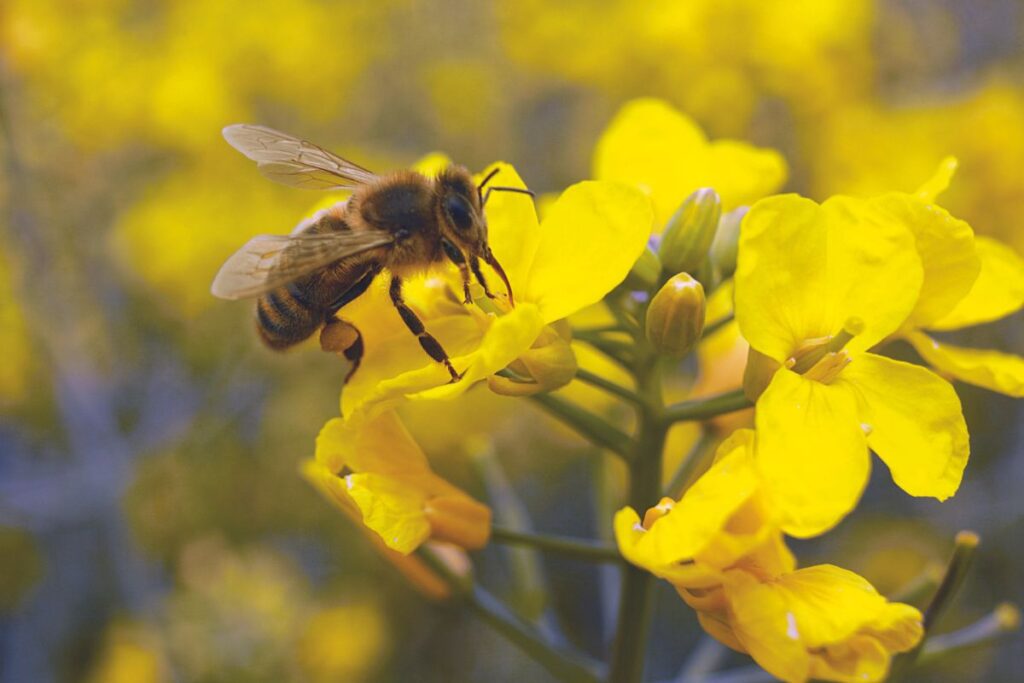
(401, 222)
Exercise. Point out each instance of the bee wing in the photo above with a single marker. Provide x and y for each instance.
(291, 161)
(269, 261)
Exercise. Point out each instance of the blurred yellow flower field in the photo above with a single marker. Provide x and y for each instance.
(616, 304)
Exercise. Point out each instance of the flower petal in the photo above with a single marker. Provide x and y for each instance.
(998, 291)
(939, 182)
(589, 241)
(392, 508)
(804, 270)
(946, 247)
(811, 451)
(652, 146)
(381, 445)
(993, 370)
(915, 422)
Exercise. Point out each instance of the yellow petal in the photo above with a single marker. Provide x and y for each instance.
(811, 451)
(844, 629)
(654, 147)
(946, 247)
(589, 241)
(993, 370)
(998, 291)
(804, 270)
(914, 423)
(391, 508)
(939, 182)
(381, 445)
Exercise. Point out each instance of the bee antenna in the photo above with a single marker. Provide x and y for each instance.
(502, 188)
(487, 178)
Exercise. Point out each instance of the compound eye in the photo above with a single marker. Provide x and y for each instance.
(459, 211)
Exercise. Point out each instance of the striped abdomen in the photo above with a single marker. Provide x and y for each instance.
(286, 316)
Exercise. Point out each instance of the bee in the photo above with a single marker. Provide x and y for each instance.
(394, 225)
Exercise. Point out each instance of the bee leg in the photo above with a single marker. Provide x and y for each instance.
(415, 325)
(342, 337)
(353, 292)
(456, 257)
(474, 263)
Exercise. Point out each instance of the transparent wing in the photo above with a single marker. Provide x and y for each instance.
(291, 161)
(269, 261)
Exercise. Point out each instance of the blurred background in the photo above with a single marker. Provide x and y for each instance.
(153, 526)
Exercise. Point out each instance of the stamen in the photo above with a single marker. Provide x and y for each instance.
(813, 351)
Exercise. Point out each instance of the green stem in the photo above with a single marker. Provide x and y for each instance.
(717, 325)
(697, 456)
(635, 607)
(705, 408)
(593, 551)
(588, 425)
(1002, 620)
(607, 385)
(963, 556)
(566, 665)
(619, 351)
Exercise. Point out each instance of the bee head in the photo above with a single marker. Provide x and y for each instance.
(462, 221)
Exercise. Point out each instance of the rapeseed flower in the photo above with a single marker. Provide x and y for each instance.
(374, 470)
(816, 287)
(722, 548)
(997, 290)
(663, 152)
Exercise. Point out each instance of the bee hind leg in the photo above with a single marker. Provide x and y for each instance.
(429, 343)
(343, 338)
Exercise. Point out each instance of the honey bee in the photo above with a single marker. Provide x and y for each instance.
(402, 222)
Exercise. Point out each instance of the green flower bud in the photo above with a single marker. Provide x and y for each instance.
(675, 318)
(690, 232)
(645, 272)
(726, 242)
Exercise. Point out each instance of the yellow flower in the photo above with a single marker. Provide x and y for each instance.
(584, 247)
(816, 287)
(342, 643)
(820, 622)
(376, 472)
(723, 520)
(663, 152)
(997, 291)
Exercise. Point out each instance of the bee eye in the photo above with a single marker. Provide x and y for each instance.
(459, 211)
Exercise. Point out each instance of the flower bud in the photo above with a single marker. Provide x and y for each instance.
(549, 364)
(726, 242)
(645, 272)
(675, 318)
(690, 232)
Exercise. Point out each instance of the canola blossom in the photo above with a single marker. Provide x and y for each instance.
(722, 548)
(817, 287)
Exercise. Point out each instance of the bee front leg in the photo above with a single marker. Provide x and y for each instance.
(474, 263)
(456, 257)
(415, 325)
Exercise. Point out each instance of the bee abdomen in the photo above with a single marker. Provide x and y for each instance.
(284, 319)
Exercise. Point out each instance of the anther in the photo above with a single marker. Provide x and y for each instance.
(813, 351)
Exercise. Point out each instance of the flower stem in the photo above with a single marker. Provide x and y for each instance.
(607, 385)
(593, 551)
(963, 556)
(635, 607)
(566, 665)
(589, 426)
(704, 408)
(697, 456)
(1002, 620)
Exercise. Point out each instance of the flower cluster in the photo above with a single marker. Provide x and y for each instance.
(818, 292)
